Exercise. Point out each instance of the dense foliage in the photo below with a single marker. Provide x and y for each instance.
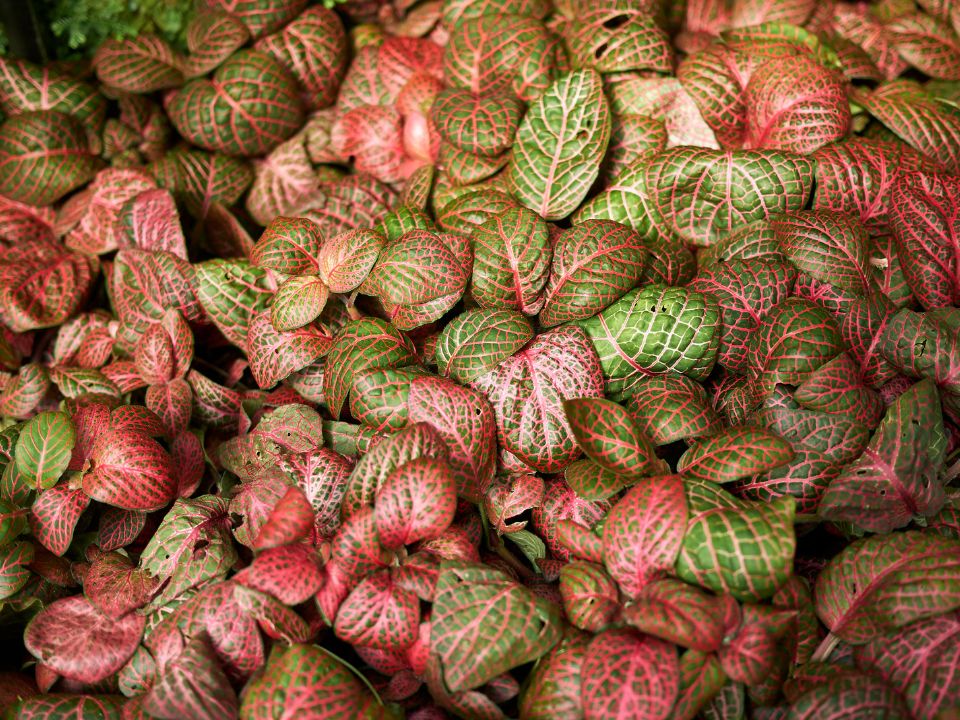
(485, 358)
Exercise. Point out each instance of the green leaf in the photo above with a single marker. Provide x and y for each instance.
(705, 194)
(361, 345)
(671, 407)
(608, 435)
(44, 448)
(655, 330)
(746, 551)
(529, 544)
(232, 291)
(14, 570)
(298, 302)
(735, 453)
(850, 695)
(476, 341)
(560, 144)
(885, 582)
(826, 245)
(896, 479)
(484, 624)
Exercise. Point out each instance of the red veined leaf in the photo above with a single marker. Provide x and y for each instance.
(374, 136)
(837, 388)
(346, 260)
(254, 499)
(484, 624)
(289, 245)
(208, 112)
(212, 37)
(291, 573)
(562, 364)
(284, 181)
(296, 428)
(81, 707)
(45, 286)
(298, 302)
(749, 656)
(14, 567)
(23, 223)
(481, 124)
(643, 532)
(231, 292)
(511, 497)
(310, 679)
(314, 48)
(260, 16)
(25, 87)
(378, 398)
(681, 614)
(896, 477)
(919, 661)
(24, 391)
(758, 539)
(839, 696)
(154, 356)
(590, 596)
(191, 546)
(476, 341)
(379, 614)
(54, 517)
(192, 686)
(553, 688)
(131, 471)
(97, 230)
(290, 520)
(77, 641)
(356, 547)
(826, 245)
(806, 478)
(150, 221)
(275, 619)
(361, 345)
(594, 263)
(611, 39)
(669, 408)
(322, 475)
(202, 179)
(625, 674)
(43, 156)
(274, 355)
(873, 585)
(140, 64)
(735, 453)
(608, 435)
(918, 118)
(115, 587)
(701, 680)
(119, 528)
(44, 448)
(928, 44)
(796, 104)
(416, 502)
(496, 54)
(924, 217)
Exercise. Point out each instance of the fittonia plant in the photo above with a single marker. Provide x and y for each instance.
(485, 359)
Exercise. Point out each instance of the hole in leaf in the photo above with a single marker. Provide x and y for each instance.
(616, 21)
(601, 49)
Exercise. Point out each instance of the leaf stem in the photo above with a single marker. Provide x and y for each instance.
(953, 472)
(826, 647)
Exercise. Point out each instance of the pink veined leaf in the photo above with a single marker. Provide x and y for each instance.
(289, 245)
(400, 58)
(928, 44)
(297, 428)
(379, 614)
(373, 135)
(590, 596)
(154, 356)
(248, 108)
(43, 449)
(15, 562)
(284, 181)
(484, 624)
(77, 641)
(277, 621)
(680, 614)
(417, 501)
(322, 475)
(466, 422)
(625, 674)
(211, 38)
(859, 26)
(611, 39)
(346, 259)
(750, 655)
(886, 571)
(202, 179)
(274, 355)
(290, 520)
(260, 17)
(193, 686)
(608, 435)
(150, 221)
(54, 516)
(23, 392)
(919, 661)
(833, 696)
(310, 679)
(22, 223)
(356, 548)
(141, 64)
(44, 287)
(563, 364)
(291, 573)
(795, 104)
(643, 533)
(314, 48)
(25, 87)
(925, 218)
(119, 528)
(553, 689)
(116, 587)
(512, 497)
(131, 471)
(99, 230)
(39, 707)
(735, 453)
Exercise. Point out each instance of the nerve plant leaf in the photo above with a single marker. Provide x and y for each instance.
(608, 435)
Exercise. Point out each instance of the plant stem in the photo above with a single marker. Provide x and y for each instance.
(826, 647)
